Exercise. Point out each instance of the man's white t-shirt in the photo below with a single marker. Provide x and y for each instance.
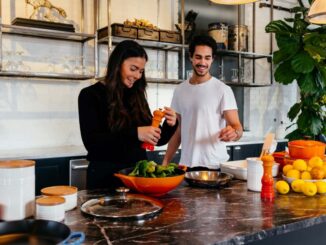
(201, 107)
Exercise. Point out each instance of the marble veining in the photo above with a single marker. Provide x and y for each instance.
(232, 215)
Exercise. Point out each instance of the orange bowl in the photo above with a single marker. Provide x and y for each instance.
(151, 186)
(306, 149)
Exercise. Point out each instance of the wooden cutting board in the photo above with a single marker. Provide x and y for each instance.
(267, 144)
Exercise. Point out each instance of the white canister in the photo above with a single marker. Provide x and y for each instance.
(50, 208)
(17, 189)
(255, 172)
(69, 193)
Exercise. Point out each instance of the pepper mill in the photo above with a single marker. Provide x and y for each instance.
(267, 190)
(156, 121)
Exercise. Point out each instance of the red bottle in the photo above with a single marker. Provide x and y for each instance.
(156, 121)
(267, 190)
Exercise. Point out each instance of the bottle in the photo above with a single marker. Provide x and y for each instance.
(267, 190)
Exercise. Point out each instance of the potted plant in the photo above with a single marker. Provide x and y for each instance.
(302, 57)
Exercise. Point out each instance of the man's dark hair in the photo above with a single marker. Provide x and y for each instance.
(204, 40)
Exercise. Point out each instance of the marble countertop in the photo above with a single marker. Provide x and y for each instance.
(79, 150)
(232, 215)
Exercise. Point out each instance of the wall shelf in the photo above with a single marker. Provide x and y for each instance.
(246, 55)
(45, 33)
(44, 75)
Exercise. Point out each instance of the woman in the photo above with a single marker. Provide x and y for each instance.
(114, 116)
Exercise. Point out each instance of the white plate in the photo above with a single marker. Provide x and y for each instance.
(239, 169)
(290, 180)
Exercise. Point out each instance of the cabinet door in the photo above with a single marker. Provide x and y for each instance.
(229, 151)
(240, 152)
(49, 172)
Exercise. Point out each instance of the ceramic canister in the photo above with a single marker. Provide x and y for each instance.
(17, 189)
(50, 208)
(69, 193)
(254, 173)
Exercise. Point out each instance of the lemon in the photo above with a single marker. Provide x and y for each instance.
(321, 187)
(309, 188)
(282, 187)
(300, 165)
(286, 168)
(305, 175)
(315, 162)
(297, 185)
(317, 173)
(309, 168)
(293, 173)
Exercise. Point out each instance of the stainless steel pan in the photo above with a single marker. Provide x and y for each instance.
(208, 178)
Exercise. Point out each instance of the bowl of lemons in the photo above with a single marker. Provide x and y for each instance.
(303, 176)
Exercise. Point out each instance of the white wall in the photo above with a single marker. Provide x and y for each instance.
(43, 113)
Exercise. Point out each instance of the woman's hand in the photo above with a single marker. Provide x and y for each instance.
(170, 116)
(149, 134)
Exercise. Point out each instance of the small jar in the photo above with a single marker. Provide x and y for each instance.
(50, 208)
(69, 193)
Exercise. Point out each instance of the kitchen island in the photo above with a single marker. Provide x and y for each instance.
(232, 215)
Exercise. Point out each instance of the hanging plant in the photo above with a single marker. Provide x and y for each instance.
(302, 57)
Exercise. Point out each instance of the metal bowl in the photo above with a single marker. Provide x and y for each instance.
(211, 179)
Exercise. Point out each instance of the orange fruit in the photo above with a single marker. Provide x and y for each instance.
(317, 173)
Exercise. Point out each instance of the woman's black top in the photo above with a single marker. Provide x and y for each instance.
(107, 150)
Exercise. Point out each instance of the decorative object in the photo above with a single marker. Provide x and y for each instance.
(233, 2)
(38, 4)
(302, 57)
(317, 12)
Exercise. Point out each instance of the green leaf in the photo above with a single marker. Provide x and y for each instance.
(307, 83)
(294, 111)
(289, 19)
(281, 56)
(278, 26)
(284, 73)
(300, 25)
(302, 63)
(290, 43)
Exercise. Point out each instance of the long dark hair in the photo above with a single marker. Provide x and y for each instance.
(134, 110)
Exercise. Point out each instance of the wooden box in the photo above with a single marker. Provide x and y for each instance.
(118, 30)
(170, 36)
(148, 34)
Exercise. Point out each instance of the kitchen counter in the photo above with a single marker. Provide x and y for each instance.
(210, 216)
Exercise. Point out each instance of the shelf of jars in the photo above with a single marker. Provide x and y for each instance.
(18, 64)
(46, 33)
(145, 43)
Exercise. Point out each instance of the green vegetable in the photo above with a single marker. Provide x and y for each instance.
(145, 168)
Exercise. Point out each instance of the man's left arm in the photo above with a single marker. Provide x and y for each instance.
(233, 131)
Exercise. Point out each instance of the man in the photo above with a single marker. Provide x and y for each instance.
(206, 110)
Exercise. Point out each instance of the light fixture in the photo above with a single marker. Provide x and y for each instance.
(233, 2)
(317, 12)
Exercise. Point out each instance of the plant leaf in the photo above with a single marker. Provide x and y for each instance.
(284, 73)
(302, 63)
(307, 83)
(294, 111)
(290, 43)
(278, 26)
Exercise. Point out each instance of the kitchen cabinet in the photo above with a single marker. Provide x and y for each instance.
(243, 151)
(51, 171)
(45, 34)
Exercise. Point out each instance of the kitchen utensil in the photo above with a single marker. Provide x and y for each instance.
(38, 232)
(267, 144)
(150, 186)
(240, 169)
(208, 178)
(306, 149)
(69, 193)
(17, 189)
(50, 208)
(125, 206)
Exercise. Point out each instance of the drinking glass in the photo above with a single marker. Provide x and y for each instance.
(234, 77)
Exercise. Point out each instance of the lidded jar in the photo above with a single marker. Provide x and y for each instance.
(69, 193)
(50, 208)
(17, 189)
